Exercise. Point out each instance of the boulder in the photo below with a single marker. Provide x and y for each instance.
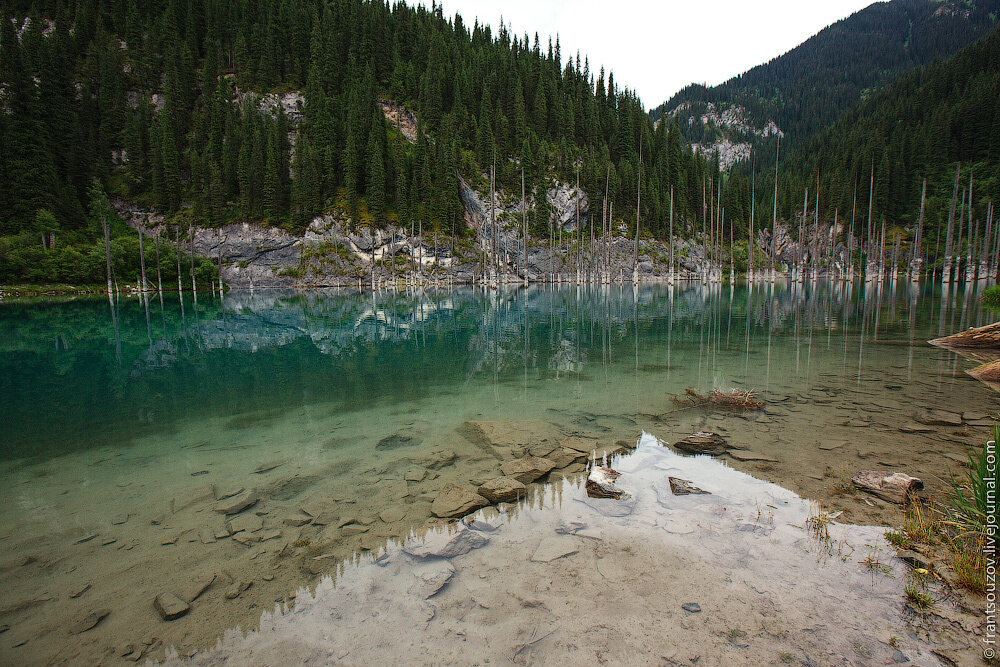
(893, 487)
(170, 606)
(703, 442)
(502, 490)
(455, 501)
(528, 469)
(682, 487)
(935, 417)
(601, 483)
(444, 544)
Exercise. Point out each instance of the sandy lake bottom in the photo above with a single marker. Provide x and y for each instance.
(328, 424)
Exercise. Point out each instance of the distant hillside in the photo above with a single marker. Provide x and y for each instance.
(805, 90)
(917, 128)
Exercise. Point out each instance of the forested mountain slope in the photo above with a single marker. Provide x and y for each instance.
(217, 111)
(919, 127)
(805, 90)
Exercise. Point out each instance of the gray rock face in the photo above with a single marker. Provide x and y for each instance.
(455, 501)
(502, 490)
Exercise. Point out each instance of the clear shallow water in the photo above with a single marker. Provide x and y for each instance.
(146, 416)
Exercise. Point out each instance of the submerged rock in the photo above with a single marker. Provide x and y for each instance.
(89, 621)
(431, 578)
(682, 487)
(584, 446)
(528, 469)
(396, 441)
(502, 490)
(703, 442)
(551, 548)
(511, 433)
(170, 606)
(893, 487)
(601, 484)
(935, 417)
(746, 455)
(455, 501)
(446, 544)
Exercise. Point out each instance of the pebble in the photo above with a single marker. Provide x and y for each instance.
(691, 607)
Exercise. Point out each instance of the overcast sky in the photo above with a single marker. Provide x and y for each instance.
(657, 47)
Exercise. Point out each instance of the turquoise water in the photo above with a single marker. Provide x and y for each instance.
(74, 375)
(346, 414)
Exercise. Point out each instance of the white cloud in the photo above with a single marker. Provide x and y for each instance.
(656, 49)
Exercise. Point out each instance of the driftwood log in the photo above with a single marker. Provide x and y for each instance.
(894, 487)
(985, 337)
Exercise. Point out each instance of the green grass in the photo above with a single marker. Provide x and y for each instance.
(991, 298)
(918, 598)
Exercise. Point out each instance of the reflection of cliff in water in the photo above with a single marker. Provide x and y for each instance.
(155, 362)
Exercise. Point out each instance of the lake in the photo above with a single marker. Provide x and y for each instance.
(286, 454)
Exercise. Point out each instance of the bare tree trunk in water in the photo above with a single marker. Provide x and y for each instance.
(107, 252)
(159, 272)
(946, 268)
(142, 256)
(194, 286)
(177, 239)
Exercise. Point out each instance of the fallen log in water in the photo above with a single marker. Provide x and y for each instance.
(988, 337)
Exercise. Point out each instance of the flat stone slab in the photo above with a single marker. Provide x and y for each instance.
(935, 417)
(511, 433)
(170, 606)
(502, 490)
(393, 514)
(584, 446)
(237, 503)
(552, 548)
(914, 427)
(528, 469)
(682, 487)
(89, 621)
(431, 578)
(445, 544)
(456, 501)
(746, 455)
(703, 442)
